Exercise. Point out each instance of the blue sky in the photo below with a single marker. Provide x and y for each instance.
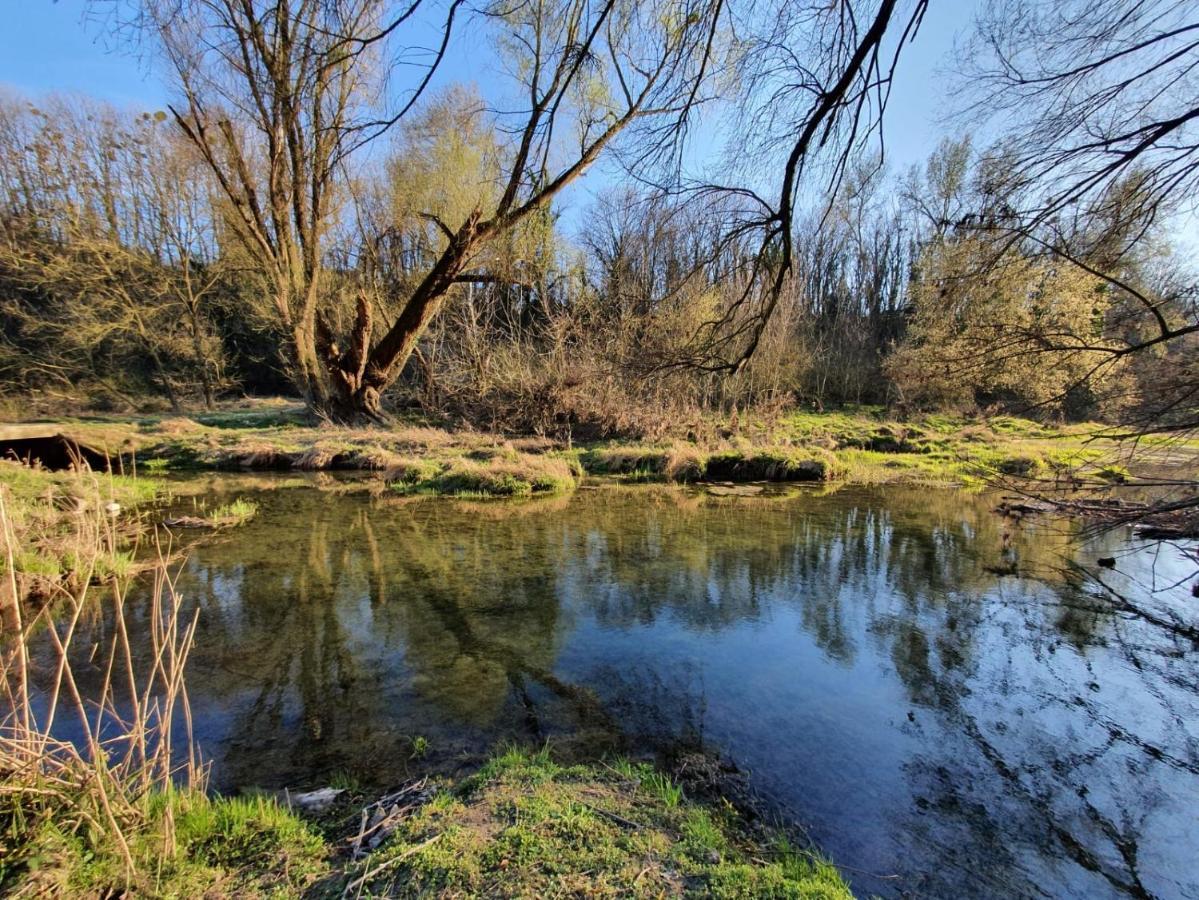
(51, 46)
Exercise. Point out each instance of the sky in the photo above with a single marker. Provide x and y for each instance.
(51, 46)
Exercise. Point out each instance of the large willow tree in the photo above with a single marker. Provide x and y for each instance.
(281, 97)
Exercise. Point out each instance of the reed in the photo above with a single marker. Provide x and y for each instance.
(95, 791)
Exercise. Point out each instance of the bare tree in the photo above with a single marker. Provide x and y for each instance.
(278, 97)
(1090, 92)
(817, 78)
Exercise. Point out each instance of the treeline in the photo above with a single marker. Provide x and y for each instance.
(300, 220)
(121, 287)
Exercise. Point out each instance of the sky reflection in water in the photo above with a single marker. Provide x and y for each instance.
(930, 703)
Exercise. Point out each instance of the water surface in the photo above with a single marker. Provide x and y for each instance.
(901, 671)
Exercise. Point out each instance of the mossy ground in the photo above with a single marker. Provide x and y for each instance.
(522, 826)
(860, 446)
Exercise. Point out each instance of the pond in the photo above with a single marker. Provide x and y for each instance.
(926, 687)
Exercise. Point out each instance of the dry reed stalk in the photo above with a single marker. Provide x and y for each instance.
(103, 776)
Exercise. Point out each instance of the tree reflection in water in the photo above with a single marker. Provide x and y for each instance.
(862, 652)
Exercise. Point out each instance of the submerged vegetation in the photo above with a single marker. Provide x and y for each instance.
(124, 808)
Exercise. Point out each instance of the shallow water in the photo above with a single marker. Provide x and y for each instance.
(942, 709)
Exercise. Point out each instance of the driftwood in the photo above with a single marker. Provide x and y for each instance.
(188, 522)
(381, 818)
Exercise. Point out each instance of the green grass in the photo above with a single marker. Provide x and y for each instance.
(238, 512)
(524, 825)
(119, 564)
(857, 445)
(243, 847)
(28, 484)
(528, 826)
(498, 475)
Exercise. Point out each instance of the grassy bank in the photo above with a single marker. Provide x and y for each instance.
(522, 826)
(862, 446)
(525, 826)
(65, 529)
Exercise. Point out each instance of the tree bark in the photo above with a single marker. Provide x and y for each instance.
(359, 375)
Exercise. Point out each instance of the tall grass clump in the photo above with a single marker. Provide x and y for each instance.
(102, 792)
(238, 512)
(67, 801)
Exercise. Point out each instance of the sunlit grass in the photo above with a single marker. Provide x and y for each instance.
(237, 512)
(527, 825)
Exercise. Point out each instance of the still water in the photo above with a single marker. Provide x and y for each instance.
(918, 682)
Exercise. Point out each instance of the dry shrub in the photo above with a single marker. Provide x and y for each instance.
(569, 391)
(177, 425)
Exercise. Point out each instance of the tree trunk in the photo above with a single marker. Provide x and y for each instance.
(359, 375)
(201, 360)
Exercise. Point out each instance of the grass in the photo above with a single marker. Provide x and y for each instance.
(238, 512)
(527, 826)
(860, 445)
(487, 474)
(71, 527)
(225, 846)
(679, 462)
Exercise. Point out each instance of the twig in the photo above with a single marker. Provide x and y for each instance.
(619, 820)
(358, 883)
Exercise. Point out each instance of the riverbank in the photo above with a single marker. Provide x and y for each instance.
(416, 458)
(523, 825)
(862, 446)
